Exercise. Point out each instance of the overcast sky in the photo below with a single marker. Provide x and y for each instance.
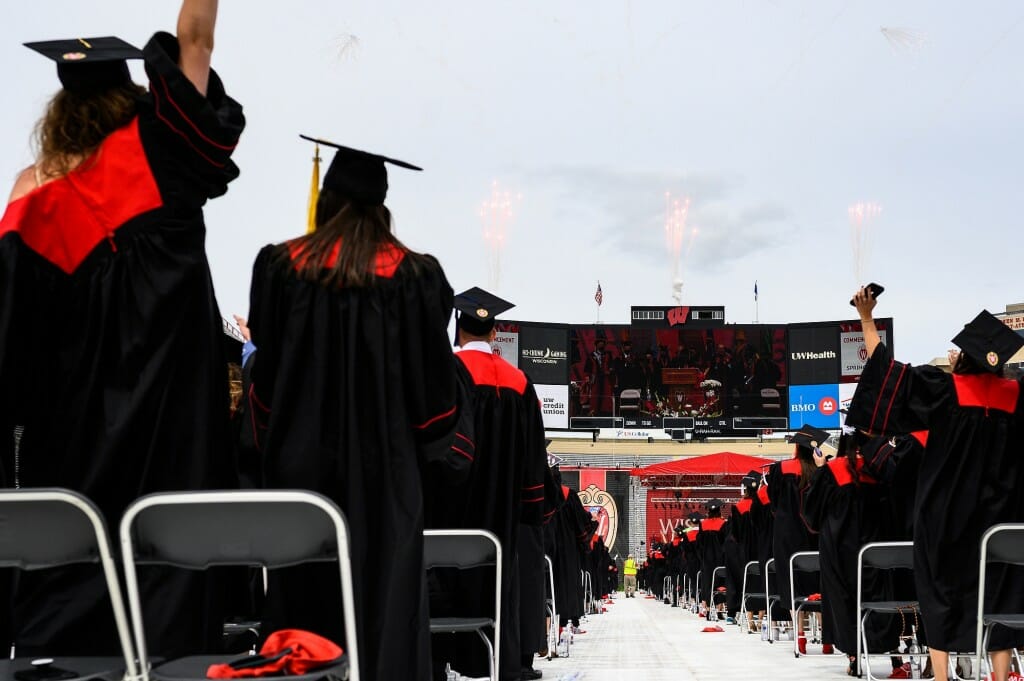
(771, 116)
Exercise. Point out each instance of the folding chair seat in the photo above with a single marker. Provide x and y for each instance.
(1001, 544)
(880, 556)
(257, 528)
(750, 599)
(806, 562)
(468, 549)
(45, 528)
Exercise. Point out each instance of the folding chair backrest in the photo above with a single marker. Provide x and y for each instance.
(49, 527)
(806, 561)
(1005, 544)
(269, 528)
(753, 569)
(460, 548)
(202, 534)
(888, 555)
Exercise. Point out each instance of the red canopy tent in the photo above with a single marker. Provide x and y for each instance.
(678, 488)
(718, 465)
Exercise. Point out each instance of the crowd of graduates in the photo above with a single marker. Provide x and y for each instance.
(926, 457)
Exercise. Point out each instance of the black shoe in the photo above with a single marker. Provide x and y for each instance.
(530, 673)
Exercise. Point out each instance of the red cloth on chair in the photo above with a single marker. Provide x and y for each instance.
(288, 651)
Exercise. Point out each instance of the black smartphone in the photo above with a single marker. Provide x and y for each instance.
(874, 289)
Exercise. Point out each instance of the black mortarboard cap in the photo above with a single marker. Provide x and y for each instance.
(477, 310)
(358, 175)
(988, 341)
(714, 504)
(809, 436)
(696, 515)
(89, 65)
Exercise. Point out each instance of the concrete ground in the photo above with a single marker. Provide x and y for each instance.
(646, 640)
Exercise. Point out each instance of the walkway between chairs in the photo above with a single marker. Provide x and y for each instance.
(639, 638)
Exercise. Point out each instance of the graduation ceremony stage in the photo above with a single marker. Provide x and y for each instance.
(640, 638)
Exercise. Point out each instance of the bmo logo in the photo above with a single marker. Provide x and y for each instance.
(814, 405)
(827, 406)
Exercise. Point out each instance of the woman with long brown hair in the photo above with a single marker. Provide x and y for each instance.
(104, 236)
(787, 482)
(353, 390)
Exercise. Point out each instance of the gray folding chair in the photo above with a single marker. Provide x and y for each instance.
(770, 574)
(46, 528)
(551, 604)
(467, 549)
(1000, 544)
(258, 528)
(893, 555)
(716, 597)
(751, 572)
(809, 562)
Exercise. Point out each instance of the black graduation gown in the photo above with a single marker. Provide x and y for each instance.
(848, 513)
(970, 478)
(735, 553)
(505, 488)
(353, 389)
(691, 557)
(111, 355)
(709, 548)
(572, 529)
(790, 533)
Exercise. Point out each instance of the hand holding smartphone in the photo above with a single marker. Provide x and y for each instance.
(874, 289)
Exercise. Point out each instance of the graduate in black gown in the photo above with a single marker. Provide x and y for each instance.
(506, 484)
(710, 541)
(787, 482)
(970, 476)
(353, 390)
(848, 508)
(570, 532)
(738, 549)
(104, 236)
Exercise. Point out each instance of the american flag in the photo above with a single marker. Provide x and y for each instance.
(598, 296)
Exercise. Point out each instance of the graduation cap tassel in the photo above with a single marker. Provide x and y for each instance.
(314, 192)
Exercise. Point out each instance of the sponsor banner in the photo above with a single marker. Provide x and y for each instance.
(813, 355)
(853, 353)
(1014, 320)
(814, 405)
(632, 434)
(544, 354)
(506, 345)
(846, 391)
(554, 403)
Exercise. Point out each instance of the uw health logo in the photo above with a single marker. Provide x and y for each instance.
(827, 406)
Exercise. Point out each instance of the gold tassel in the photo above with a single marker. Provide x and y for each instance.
(314, 192)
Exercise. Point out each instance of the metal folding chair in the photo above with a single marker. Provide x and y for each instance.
(1000, 544)
(770, 573)
(717, 597)
(46, 528)
(751, 572)
(809, 562)
(258, 528)
(551, 605)
(468, 549)
(879, 556)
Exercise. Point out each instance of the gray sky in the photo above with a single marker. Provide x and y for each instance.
(772, 116)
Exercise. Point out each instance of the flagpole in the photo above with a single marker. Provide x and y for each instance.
(757, 314)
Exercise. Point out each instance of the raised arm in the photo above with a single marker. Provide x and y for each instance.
(865, 303)
(196, 23)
